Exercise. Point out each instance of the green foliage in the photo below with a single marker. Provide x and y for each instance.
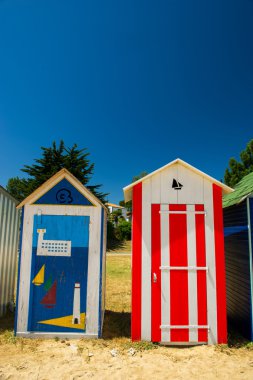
(139, 176)
(110, 231)
(123, 230)
(115, 216)
(17, 188)
(54, 159)
(117, 212)
(126, 205)
(237, 170)
(120, 232)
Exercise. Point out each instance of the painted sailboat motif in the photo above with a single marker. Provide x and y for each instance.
(49, 300)
(39, 278)
(75, 321)
(48, 283)
(66, 321)
(176, 185)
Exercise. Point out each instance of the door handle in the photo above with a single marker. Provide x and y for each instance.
(154, 277)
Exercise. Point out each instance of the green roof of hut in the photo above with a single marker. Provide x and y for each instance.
(242, 190)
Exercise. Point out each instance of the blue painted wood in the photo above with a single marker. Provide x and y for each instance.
(19, 264)
(234, 230)
(65, 270)
(64, 193)
(100, 312)
(238, 280)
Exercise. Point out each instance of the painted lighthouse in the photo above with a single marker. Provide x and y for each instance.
(76, 305)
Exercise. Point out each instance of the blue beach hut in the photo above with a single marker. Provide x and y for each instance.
(61, 279)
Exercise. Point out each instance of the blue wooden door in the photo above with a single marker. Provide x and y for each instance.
(59, 269)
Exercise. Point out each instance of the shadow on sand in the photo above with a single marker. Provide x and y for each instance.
(7, 322)
(116, 325)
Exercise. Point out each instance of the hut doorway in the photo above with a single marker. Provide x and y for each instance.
(179, 282)
(58, 290)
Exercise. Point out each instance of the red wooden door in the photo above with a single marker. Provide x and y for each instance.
(179, 297)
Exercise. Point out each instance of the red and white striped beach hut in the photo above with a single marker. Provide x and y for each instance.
(178, 266)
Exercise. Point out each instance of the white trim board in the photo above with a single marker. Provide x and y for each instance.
(65, 335)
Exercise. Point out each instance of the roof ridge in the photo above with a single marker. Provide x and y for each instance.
(128, 189)
(52, 181)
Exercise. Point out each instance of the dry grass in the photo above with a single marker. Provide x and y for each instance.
(119, 246)
(118, 283)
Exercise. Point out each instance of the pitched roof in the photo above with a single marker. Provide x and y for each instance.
(113, 205)
(56, 178)
(128, 189)
(242, 190)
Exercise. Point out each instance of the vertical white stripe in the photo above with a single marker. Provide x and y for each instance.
(210, 262)
(155, 193)
(165, 274)
(25, 270)
(146, 262)
(156, 189)
(192, 274)
(92, 302)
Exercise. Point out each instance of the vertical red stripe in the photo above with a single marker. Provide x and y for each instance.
(178, 278)
(155, 271)
(136, 262)
(201, 274)
(220, 265)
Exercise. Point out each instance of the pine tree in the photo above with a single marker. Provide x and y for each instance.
(237, 170)
(54, 159)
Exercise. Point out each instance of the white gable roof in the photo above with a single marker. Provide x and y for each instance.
(128, 189)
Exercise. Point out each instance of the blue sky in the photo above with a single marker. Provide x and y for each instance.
(139, 83)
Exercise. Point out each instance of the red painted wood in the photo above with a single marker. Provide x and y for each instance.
(155, 268)
(49, 300)
(220, 265)
(178, 278)
(136, 261)
(201, 275)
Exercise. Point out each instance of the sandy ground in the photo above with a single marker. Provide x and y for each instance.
(115, 356)
(86, 359)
